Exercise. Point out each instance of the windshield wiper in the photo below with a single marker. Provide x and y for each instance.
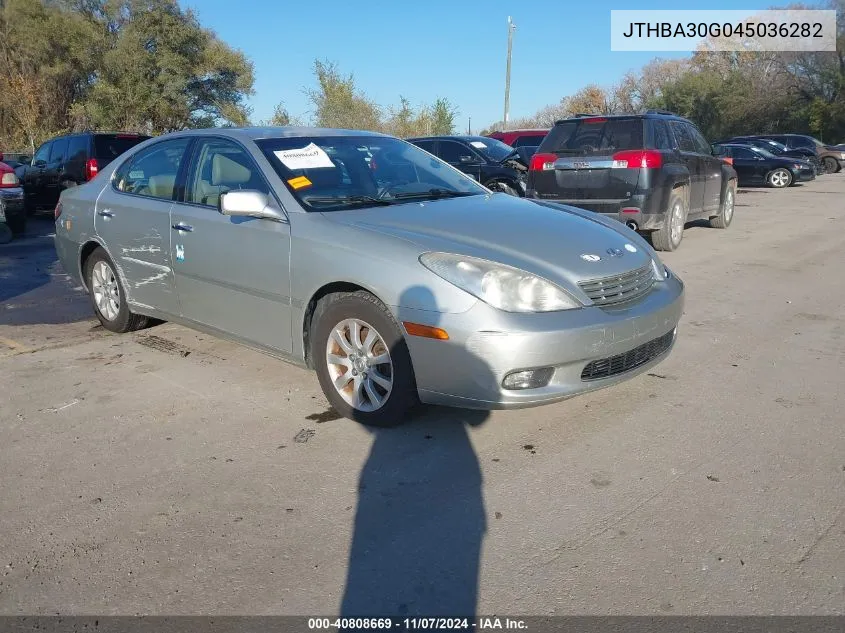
(432, 193)
(348, 200)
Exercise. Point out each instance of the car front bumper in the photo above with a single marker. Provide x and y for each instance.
(804, 175)
(485, 345)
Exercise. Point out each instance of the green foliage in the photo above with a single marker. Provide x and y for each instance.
(140, 65)
(338, 103)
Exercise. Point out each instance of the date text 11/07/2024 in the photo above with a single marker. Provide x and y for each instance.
(417, 624)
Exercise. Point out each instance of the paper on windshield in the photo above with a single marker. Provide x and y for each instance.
(309, 157)
(478, 144)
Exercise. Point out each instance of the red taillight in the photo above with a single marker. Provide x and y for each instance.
(543, 162)
(58, 211)
(8, 179)
(728, 160)
(594, 120)
(91, 169)
(637, 159)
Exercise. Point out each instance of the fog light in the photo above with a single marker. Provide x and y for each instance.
(528, 378)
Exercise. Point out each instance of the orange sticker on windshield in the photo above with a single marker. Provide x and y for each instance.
(299, 182)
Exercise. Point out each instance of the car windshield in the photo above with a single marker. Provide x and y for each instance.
(492, 148)
(332, 173)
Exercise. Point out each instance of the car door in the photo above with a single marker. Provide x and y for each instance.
(747, 165)
(232, 273)
(132, 218)
(461, 156)
(711, 170)
(53, 172)
(691, 157)
(34, 175)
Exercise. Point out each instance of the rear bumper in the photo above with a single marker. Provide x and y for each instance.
(642, 209)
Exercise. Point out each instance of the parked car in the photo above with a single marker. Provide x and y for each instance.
(14, 159)
(12, 214)
(418, 284)
(779, 149)
(757, 166)
(831, 157)
(520, 138)
(68, 161)
(496, 165)
(652, 171)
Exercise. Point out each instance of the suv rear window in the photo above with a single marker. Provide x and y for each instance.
(594, 136)
(110, 146)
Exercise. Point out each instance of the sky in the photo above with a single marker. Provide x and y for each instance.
(434, 48)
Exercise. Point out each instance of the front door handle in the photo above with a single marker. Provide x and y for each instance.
(105, 213)
(181, 226)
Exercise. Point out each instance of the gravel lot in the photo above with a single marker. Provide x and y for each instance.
(166, 472)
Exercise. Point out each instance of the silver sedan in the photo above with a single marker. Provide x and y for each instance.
(393, 275)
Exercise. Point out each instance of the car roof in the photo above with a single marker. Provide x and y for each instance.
(665, 116)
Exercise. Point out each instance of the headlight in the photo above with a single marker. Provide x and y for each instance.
(503, 287)
(798, 166)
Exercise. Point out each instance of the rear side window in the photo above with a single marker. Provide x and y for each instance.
(683, 136)
(77, 149)
(42, 154)
(662, 139)
(426, 145)
(107, 147)
(594, 136)
(741, 152)
(152, 171)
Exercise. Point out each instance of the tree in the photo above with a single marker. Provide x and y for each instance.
(401, 121)
(338, 103)
(443, 115)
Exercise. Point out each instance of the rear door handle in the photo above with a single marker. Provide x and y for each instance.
(105, 213)
(181, 226)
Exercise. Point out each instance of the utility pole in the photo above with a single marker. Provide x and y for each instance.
(469, 127)
(511, 29)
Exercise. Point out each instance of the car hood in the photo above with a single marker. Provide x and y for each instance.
(562, 246)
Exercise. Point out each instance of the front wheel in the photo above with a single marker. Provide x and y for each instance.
(780, 178)
(108, 295)
(362, 360)
(831, 165)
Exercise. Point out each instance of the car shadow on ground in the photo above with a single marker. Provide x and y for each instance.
(420, 519)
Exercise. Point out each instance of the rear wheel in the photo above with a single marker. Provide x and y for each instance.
(669, 236)
(831, 165)
(362, 360)
(726, 212)
(108, 295)
(779, 178)
(498, 185)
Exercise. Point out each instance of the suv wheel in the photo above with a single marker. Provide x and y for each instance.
(362, 360)
(669, 236)
(108, 295)
(831, 165)
(726, 213)
(780, 178)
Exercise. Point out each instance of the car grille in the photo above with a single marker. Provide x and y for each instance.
(619, 288)
(614, 365)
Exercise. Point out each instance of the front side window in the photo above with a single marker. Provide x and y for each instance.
(701, 144)
(491, 149)
(683, 137)
(455, 153)
(222, 166)
(42, 154)
(742, 153)
(58, 151)
(152, 171)
(329, 173)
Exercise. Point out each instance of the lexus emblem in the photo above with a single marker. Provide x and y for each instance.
(590, 258)
(615, 252)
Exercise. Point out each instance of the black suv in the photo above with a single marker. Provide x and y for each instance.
(494, 164)
(67, 161)
(652, 171)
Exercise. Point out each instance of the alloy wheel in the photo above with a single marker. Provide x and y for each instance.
(779, 178)
(106, 290)
(359, 365)
(677, 222)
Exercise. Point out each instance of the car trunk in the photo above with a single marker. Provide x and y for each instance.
(585, 159)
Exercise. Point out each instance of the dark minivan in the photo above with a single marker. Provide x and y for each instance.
(67, 161)
(652, 171)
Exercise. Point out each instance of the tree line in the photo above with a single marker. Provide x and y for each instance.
(726, 93)
(149, 66)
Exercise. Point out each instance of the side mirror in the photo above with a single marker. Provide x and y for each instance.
(468, 160)
(246, 203)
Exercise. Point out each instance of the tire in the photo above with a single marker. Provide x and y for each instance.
(335, 320)
(669, 236)
(779, 178)
(831, 165)
(726, 212)
(499, 185)
(103, 282)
